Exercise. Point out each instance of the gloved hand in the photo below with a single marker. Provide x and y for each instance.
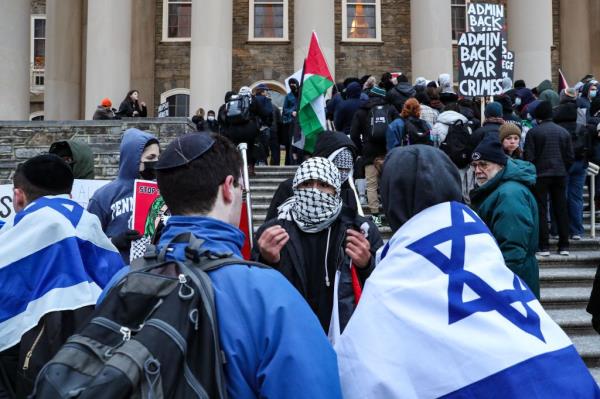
(123, 241)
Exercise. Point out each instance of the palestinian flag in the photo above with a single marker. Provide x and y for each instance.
(562, 81)
(316, 80)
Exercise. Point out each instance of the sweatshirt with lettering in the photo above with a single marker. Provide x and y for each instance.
(113, 203)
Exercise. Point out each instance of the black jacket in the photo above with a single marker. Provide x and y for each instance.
(548, 146)
(489, 129)
(127, 108)
(593, 306)
(360, 126)
(344, 112)
(398, 95)
(565, 115)
(327, 144)
(292, 266)
(103, 114)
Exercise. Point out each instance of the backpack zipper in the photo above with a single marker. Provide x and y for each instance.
(176, 337)
(30, 352)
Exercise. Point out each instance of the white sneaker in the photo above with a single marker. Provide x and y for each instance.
(576, 237)
(543, 253)
(564, 252)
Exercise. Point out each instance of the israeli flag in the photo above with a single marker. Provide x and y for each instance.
(53, 257)
(442, 316)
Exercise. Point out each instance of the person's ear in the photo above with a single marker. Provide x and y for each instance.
(19, 199)
(228, 189)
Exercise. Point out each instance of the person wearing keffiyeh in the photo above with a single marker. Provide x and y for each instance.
(315, 235)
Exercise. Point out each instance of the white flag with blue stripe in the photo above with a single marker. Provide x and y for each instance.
(442, 316)
(53, 257)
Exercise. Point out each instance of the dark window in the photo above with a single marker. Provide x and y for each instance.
(179, 105)
(459, 18)
(179, 19)
(39, 43)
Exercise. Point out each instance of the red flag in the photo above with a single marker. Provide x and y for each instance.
(562, 81)
(244, 227)
(315, 61)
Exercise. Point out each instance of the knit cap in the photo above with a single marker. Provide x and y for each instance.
(509, 129)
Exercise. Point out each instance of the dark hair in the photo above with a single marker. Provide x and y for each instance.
(129, 93)
(193, 188)
(402, 78)
(520, 84)
(210, 111)
(32, 191)
(433, 93)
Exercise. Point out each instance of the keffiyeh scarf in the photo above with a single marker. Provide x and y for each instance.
(344, 161)
(310, 208)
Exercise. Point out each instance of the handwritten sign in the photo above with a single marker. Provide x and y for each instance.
(480, 59)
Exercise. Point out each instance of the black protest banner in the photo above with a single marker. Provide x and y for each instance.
(484, 17)
(480, 63)
(508, 65)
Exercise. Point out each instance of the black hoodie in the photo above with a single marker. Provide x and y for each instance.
(327, 143)
(360, 127)
(415, 178)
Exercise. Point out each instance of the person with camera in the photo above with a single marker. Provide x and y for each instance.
(315, 236)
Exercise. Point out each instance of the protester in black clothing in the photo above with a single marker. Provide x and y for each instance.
(104, 111)
(131, 107)
(288, 118)
(398, 95)
(211, 123)
(344, 113)
(264, 112)
(548, 146)
(329, 145)
(222, 113)
(508, 114)
(491, 126)
(278, 137)
(198, 119)
(371, 148)
(386, 82)
(314, 236)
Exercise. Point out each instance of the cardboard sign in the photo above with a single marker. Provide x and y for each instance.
(508, 65)
(145, 194)
(480, 64)
(81, 193)
(484, 17)
(163, 110)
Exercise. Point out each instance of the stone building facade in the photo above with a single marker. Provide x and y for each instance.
(413, 37)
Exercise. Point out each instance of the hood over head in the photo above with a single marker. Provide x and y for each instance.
(132, 146)
(445, 83)
(406, 89)
(585, 90)
(328, 142)
(429, 178)
(506, 102)
(451, 117)
(353, 90)
(83, 158)
(525, 95)
(545, 85)
(565, 113)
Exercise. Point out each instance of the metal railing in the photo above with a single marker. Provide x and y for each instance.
(592, 171)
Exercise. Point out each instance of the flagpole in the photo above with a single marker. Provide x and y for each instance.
(297, 127)
(243, 148)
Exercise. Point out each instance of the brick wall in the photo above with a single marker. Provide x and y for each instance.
(172, 60)
(22, 140)
(393, 55)
(556, 58)
(254, 61)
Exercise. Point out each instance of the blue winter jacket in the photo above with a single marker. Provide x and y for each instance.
(394, 134)
(345, 110)
(289, 106)
(113, 203)
(273, 343)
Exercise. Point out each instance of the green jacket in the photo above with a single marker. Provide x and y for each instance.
(547, 93)
(508, 207)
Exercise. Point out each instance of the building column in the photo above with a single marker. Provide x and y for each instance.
(530, 37)
(211, 53)
(108, 60)
(63, 60)
(142, 51)
(575, 43)
(594, 27)
(318, 16)
(431, 42)
(15, 23)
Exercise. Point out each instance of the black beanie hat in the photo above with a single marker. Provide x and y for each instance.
(48, 172)
(543, 111)
(490, 149)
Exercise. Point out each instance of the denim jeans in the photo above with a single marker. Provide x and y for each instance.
(575, 183)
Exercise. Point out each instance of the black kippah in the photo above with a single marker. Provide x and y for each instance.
(48, 172)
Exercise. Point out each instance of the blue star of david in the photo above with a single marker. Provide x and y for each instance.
(489, 299)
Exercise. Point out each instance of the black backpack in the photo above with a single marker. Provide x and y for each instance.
(155, 335)
(416, 132)
(378, 119)
(578, 138)
(238, 110)
(458, 144)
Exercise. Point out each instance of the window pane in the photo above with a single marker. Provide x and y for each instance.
(361, 21)
(459, 20)
(268, 20)
(179, 105)
(39, 28)
(180, 20)
(39, 52)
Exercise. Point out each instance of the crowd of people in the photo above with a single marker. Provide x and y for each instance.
(322, 306)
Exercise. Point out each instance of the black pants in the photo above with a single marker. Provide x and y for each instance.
(555, 187)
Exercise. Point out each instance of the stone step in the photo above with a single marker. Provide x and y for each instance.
(578, 258)
(574, 321)
(565, 297)
(588, 347)
(567, 277)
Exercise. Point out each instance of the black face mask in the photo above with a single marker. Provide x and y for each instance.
(294, 89)
(149, 172)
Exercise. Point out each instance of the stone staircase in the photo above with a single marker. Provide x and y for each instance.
(566, 282)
